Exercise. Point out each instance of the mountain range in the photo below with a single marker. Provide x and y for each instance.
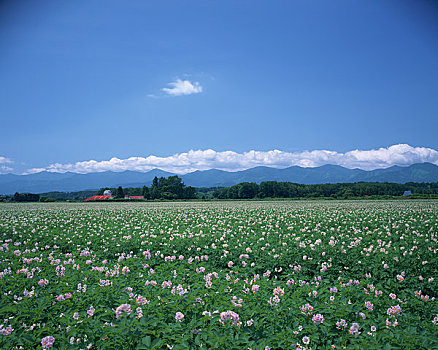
(69, 182)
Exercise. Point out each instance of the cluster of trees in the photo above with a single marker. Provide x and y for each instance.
(170, 188)
(274, 189)
(65, 196)
(173, 188)
(161, 188)
(25, 197)
(47, 197)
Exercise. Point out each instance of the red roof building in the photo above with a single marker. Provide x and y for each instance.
(134, 197)
(94, 198)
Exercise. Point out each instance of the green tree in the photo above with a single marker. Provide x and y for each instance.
(155, 192)
(190, 192)
(247, 190)
(120, 193)
(26, 197)
(146, 193)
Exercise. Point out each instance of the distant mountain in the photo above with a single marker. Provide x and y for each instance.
(68, 182)
(422, 172)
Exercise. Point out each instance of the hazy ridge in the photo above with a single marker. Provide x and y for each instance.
(66, 182)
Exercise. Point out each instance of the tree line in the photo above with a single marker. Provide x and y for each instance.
(161, 188)
(173, 188)
(274, 189)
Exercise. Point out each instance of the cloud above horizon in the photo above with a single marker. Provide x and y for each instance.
(182, 87)
(3, 167)
(182, 163)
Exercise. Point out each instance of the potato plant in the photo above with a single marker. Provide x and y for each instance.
(219, 275)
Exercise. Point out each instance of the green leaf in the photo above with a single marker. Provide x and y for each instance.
(146, 341)
(156, 343)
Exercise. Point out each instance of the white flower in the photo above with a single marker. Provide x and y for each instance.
(179, 316)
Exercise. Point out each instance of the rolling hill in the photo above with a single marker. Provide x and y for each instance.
(68, 182)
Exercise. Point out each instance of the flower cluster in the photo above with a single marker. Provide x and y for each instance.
(369, 306)
(43, 282)
(318, 318)
(229, 315)
(47, 342)
(6, 331)
(306, 309)
(394, 311)
(91, 311)
(354, 329)
(123, 308)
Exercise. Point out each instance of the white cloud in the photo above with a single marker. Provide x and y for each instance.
(182, 87)
(3, 167)
(34, 171)
(4, 160)
(182, 163)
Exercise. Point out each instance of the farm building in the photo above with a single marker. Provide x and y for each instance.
(94, 198)
(134, 197)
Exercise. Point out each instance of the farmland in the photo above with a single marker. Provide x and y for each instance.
(219, 275)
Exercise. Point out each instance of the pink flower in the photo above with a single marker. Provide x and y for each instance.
(91, 311)
(278, 291)
(400, 278)
(47, 342)
(369, 305)
(306, 309)
(43, 282)
(389, 324)
(318, 318)
(274, 301)
(341, 324)
(179, 316)
(123, 308)
(394, 311)
(229, 315)
(237, 302)
(6, 331)
(354, 329)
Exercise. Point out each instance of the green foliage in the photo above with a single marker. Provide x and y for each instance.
(66, 269)
(273, 189)
(47, 199)
(69, 196)
(171, 188)
(25, 197)
(162, 188)
(120, 193)
(146, 192)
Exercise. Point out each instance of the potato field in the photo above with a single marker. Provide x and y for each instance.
(219, 275)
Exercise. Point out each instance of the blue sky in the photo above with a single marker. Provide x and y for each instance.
(87, 80)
